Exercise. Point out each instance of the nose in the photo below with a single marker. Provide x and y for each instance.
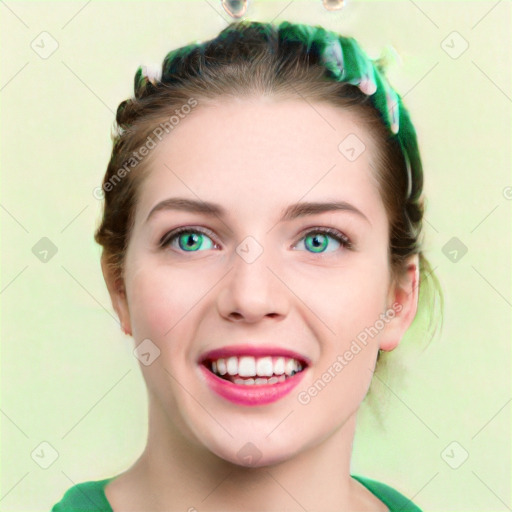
(253, 289)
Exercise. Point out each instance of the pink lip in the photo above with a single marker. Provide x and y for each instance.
(242, 394)
(257, 394)
(252, 350)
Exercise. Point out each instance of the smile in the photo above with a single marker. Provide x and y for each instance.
(249, 370)
(252, 379)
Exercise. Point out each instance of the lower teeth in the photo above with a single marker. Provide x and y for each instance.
(256, 381)
(259, 381)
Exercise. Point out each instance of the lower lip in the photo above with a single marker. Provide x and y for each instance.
(252, 394)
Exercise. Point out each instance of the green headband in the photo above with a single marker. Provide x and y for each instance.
(344, 61)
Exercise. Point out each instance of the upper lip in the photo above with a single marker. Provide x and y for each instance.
(252, 350)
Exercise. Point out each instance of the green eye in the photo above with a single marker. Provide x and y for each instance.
(189, 240)
(194, 240)
(317, 241)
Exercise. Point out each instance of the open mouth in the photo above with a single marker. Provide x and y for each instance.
(250, 370)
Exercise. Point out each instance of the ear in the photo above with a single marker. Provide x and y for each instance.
(117, 292)
(402, 305)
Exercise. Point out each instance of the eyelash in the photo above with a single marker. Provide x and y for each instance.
(334, 233)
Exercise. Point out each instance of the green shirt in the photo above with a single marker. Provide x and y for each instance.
(90, 497)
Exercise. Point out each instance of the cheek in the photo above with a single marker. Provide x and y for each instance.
(153, 306)
(162, 303)
(347, 298)
(156, 301)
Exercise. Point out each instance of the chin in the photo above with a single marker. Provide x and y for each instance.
(252, 456)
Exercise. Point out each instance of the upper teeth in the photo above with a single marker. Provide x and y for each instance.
(248, 366)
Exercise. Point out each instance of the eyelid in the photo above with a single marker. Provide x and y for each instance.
(335, 233)
(174, 232)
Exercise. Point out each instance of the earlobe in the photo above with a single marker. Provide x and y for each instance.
(122, 310)
(403, 301)
(117, 292)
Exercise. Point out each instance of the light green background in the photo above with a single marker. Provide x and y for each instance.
(68, 374)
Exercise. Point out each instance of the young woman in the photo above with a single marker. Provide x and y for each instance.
(261, 243)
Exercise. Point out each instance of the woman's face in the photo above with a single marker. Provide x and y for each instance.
(260, 280)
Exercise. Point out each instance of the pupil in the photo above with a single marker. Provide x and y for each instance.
(190, 240)
(318, 241)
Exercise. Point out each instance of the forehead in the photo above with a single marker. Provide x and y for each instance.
(263, 151)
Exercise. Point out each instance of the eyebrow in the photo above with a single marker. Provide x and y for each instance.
(291, 212)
